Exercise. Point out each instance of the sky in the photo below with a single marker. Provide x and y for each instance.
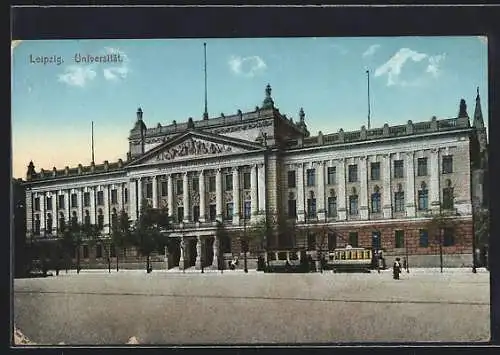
(55, 96)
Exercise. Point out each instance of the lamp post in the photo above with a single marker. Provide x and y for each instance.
(407, 258)
(245, 242)
(474, 209)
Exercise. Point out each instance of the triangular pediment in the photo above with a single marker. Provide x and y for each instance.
(196, 145)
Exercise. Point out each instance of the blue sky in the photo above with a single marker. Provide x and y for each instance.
(53, 105)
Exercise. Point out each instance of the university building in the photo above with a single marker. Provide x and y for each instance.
(372, 188)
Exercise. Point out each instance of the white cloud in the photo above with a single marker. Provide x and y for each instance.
(392, 68)
(433, 66)
(116, 72)
(371, 50)
(77, 75)
(340, 49)
(247, 66)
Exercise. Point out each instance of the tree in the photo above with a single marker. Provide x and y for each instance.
(436, 227)
(150, 231)
(257, 233)
(93, 235)
(482, 226)
(71, 240)
(121, 235)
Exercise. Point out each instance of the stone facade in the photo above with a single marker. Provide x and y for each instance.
(263, 165)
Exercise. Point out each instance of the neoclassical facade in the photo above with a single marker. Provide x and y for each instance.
(370, 188)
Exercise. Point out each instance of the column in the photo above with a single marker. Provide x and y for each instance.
(43, 214)
(79, 194)
(218, 194)
(170, 196)
(262, 188)
(132, 202)
(92, 205)
(215, 261)
(197, 264)
(139, 194)
(185, 198)
(410, 185)
(386, 189)
(55, 218)
(119, 196)
(341, 194)
(434, 200)
(155, 192)
(67, 210)
(364, 195)
(321, 191)
(106, 209)
(236, 196)
(300, 193)
(253, 193)
(201, 187)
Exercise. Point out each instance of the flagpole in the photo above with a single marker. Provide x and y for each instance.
(205, 114)
(92, 142)
(368, 82)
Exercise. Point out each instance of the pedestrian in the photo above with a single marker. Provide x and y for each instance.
(381, 257)
(396, 269)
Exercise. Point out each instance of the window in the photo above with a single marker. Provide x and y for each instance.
(246, 181)
(125, 195)
(49, 203)
(424, 238)
(112, 251)
(62, 222)
(164, 188)
(399, 201)
(229, 211)
(195, 184)
(398, 169)
(74, 201)
(447, 164)
(375, 202)
(375, 171)
(228, 182)
(399, 239)
(180, 214)
(85, 251)
(311, 177)
(332, 241)
(48, 228)
(422, 167)
(114, 196)
(61, 201)
(353, 239)
(37, 225)
(74, 219)
(212, 212)
(37, 204)
(353, 205)
(423, 199)
(86, 199)
(332, 206)
(331, 175)
(98, 251)
(247, 209)
(100, 219)
(292, 179)
(448, 198)
(353, 173)
(180, 187)
(311, 241)
(87, 218)
(311, 207)
(114, 218)
(448, 237)
(211, 183)
(292, 208)
(196, 213)
(100, 198)
(149, 190)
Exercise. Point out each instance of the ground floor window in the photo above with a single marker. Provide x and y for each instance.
(98, 251)
(311, 241)
(229, 211)
(399, 238)
(423, 238)
(247, 209)
(332, 241)
(448, 237)
(180, 214)
(196, 213)
(353, 239)
(212, 210)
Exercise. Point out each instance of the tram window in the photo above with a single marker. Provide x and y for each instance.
(282, 255)
(348, 257)
(294, 256)
(354, 255)
(360, 254)
(342, 255)
(367, 254)
(271, 256)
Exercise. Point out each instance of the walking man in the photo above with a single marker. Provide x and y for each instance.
(396, 269)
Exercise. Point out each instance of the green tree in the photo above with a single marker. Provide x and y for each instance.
(93, 235)
(121, 235)
(436, 227)
(482, 226)
(72, 240)
(150, 232)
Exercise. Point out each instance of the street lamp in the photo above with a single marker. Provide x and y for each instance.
(245, 265)
(407, 258)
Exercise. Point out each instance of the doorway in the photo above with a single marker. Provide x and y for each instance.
(174, 252)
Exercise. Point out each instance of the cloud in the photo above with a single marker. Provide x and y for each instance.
(116, 72)
(77, 75)
(392, 68)
(247, 66)
(371, 50)
(340, 49)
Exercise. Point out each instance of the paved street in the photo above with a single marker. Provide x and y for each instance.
(193, 308)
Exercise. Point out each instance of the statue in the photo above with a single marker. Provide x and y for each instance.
(463, 109)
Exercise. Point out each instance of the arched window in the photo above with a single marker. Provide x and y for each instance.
(375, 200)
(332, 204)
(48, 228)
(37, 225)
(292, 205)
(62, 222)
(311, 205)
(114, 218)
(399, 199)
(100, 219)
(87, 218)
(423, 197)
(448, 198)
(74, 218)
(353, 202)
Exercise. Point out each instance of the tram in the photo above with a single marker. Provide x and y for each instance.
(289, 260)
(350, 259)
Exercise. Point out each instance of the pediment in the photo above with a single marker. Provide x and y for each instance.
(194, 145)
